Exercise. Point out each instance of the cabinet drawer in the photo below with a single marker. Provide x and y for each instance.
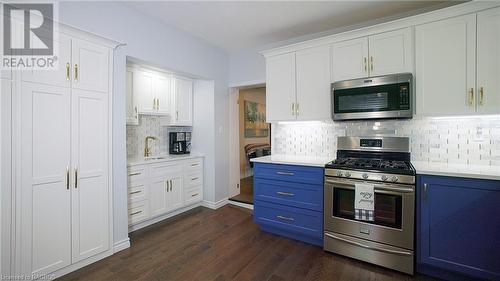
(166, 168)
(192, 165)
(289, 219)
(193, 179)
(291, 173)
(289, 193)
(136, 192)
(138, 212)
(193, 195)
(136, 173)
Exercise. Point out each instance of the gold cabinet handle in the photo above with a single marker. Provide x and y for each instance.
(135, 192)
(285, 218)
(297, 109)
(134, 174)
(171, 185)
(193, 179)
(67, 177)
(194, 195)
(194, 165)
(366, 64)
(76, 177)
(177, 115)
(471, 96)
(371, 63)
(293, 108)
(158, 104)
(481, 96)
(76, 72)
(67, 71)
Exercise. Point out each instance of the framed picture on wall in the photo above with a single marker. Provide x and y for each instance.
(255, 120)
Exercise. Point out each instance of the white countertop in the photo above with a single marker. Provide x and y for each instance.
(293, 160)
(457, 170)
(162, 158)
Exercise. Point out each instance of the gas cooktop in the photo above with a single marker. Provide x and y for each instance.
(370, 164)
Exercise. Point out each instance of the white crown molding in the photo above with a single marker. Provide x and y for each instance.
(453, 11)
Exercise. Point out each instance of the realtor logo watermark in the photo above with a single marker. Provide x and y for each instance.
(29, 36)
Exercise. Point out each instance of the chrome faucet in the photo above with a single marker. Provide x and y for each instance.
(147, 149)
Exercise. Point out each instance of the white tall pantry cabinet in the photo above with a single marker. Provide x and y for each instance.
(64, 190)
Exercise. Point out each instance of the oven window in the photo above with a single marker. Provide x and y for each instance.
(388, 208)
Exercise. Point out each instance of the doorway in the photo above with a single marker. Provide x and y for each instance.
(254, 137)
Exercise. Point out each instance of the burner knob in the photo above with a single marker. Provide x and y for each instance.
(394, 179)
(339, 173)
(365, 176)
(384, 177)
(347, 174)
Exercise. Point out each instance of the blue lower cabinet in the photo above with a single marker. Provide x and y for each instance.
(295, 223)
(458, 228)
(288, 201)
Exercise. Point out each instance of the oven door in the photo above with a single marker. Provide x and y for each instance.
(393, 216)
(377, 97)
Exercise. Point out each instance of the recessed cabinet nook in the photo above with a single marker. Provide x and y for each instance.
(62, 186)
(153, 92)
(452, 53)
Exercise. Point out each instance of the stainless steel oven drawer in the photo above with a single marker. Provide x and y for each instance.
(369, 251)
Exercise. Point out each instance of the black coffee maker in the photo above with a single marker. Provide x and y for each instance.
(179, 142)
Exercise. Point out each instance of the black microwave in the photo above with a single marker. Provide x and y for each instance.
(381, 97)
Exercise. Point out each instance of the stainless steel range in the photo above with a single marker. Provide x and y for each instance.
(384, 163)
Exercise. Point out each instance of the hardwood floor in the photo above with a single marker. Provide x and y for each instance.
(246, 191)
(225, 244)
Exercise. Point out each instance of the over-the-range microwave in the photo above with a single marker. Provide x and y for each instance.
(381, 97)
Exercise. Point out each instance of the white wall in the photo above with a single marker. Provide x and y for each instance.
(247, 66)
(167, 47)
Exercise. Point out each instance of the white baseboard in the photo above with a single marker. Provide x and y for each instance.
(214, 205)
(240, 204)
(121, 245)
(163, 217)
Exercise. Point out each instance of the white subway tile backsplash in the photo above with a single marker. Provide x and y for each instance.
(463, 141)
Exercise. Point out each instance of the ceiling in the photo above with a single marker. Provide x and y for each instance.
(241, 25)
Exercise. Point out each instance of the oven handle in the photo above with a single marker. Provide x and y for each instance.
(402, 253)
(377, 187)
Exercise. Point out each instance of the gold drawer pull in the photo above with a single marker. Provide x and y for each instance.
(285, 218)
(67, 71)
(481, 96)
(285, 193)
(285, 174)
(193, 179)
(135, 192)
(134, 174)
(471, 96)
(194, 165)
(135, 213)
(194, 195)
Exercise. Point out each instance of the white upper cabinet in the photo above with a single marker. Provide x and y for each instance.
(350, 59)
(154, 92)
(90, 66)
(132, 117)
(445, 66)
(183, 102)
(391, 52)
(380, 54)
(143, 91)
(313, 84)
(163, 93)
(280, 88)
(488, 61)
